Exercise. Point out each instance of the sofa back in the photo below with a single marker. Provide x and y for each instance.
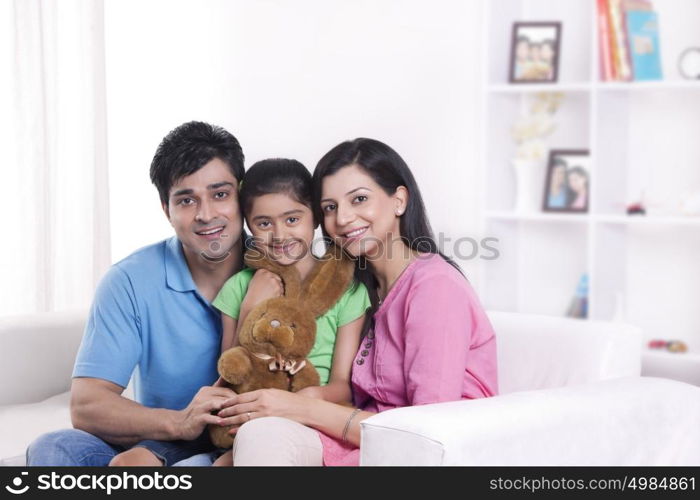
(539, 352)
(37, 352)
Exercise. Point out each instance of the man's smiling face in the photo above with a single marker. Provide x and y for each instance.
(203, 209)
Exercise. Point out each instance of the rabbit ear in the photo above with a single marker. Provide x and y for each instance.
(290, 276)
(327, 281)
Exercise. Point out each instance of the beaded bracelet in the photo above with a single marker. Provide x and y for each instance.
(347, 424)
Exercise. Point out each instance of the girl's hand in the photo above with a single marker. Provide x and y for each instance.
(264, 285)
(262, 403)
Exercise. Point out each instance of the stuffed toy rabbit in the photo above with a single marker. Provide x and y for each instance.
(278, 334)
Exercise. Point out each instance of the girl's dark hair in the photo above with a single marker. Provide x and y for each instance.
(276, 175)
(388, 170)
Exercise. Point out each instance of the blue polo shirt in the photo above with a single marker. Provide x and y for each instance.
(148, 316)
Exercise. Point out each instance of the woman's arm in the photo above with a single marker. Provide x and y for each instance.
(338, 388)
(329, 418)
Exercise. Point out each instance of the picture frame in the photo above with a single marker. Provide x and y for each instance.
(534, 52)
(567, 184)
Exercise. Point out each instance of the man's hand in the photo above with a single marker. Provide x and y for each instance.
(192, 420)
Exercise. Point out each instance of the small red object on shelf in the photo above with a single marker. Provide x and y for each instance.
(657, 344)
(636, 209)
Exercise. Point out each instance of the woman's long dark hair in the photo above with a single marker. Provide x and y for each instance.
(388, 170)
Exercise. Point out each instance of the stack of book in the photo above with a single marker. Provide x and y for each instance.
(628, 40)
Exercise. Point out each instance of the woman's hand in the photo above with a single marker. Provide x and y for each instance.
(313, 391)
(263, 403)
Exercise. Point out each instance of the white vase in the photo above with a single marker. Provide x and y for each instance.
(529, 183)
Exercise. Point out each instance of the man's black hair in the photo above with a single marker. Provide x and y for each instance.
(188, 148)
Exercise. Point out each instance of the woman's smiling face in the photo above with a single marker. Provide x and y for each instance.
(358, 214)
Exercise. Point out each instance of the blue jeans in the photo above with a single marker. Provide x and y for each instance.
(201, 460)
(73, 447)
(70, 447)
(172, 452)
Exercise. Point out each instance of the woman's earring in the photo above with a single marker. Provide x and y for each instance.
(399, 212)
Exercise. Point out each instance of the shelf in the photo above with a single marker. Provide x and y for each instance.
(520, 88)
(642, 139)
(662, 354)
(539, 217)
(643, 220)
(651, 85)
(632, 220)
(684, 366)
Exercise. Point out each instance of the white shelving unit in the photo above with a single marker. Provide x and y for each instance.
(642, 136)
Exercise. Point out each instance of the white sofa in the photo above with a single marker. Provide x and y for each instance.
(570, 394)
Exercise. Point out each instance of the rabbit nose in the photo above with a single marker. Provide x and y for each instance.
(274, 323)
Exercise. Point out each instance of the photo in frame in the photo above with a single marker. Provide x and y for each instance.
(567, 185)
(534, 52)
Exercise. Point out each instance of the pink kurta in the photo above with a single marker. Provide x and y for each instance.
(431, 342)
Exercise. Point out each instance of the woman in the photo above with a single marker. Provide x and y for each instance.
(428, 340)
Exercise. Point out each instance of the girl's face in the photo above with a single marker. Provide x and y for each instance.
(282, 227)
(358, 214)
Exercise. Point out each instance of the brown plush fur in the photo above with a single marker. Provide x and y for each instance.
(283, 327)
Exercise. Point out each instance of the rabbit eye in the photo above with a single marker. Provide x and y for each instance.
(293, 325)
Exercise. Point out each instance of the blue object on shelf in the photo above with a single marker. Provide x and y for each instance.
(579, 305)
(643, 36)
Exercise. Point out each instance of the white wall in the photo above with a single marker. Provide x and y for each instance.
(293, 79)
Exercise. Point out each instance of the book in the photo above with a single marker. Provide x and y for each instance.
(605, 55)
(623, 63)
(643, 26)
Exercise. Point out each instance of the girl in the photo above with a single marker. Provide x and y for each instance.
(578, 187)
(429, 339)
(276, 202)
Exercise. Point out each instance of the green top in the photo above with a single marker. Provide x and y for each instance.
(349, 307)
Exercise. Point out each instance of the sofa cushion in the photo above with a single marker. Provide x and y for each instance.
(543, 352)
(21, 424)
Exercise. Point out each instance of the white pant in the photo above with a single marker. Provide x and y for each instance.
(269, 441)
(276, 441)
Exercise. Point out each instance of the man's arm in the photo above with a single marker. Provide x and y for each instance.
(98, 407)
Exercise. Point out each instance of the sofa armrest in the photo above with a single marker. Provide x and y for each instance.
(625, 421)
(37, 353)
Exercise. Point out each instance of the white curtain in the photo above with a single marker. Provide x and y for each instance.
(54, 240)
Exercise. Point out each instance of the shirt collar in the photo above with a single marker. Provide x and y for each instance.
(177, 273)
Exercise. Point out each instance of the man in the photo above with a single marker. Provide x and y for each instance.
(152, 314)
